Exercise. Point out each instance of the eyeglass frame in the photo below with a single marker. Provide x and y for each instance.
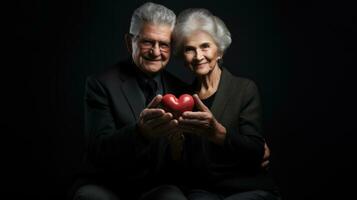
(145, 43)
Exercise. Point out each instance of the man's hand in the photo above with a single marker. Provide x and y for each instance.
(155, 122)
(265, 162)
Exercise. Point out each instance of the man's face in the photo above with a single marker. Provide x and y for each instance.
(151, 48)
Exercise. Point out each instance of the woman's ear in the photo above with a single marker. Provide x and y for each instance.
(220, 55)
(219, 58)
(128, 42)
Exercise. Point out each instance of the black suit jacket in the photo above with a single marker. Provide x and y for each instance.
(235, 166)
(117, 155)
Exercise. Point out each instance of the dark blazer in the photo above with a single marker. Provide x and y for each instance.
(117, 155)
(235, 166)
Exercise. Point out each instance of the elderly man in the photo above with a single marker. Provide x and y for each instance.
(127, 147)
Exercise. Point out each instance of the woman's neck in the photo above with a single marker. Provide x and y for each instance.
(207, 85)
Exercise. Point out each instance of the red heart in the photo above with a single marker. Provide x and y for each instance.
(178, 106)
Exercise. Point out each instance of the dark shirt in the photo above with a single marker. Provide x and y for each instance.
(209, 101)
(143, 80)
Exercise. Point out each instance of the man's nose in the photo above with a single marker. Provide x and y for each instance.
(155, 50)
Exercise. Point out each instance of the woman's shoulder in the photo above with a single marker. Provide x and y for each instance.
(237, 80)
(240, 86)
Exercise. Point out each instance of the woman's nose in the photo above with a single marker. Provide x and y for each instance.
(198, 55)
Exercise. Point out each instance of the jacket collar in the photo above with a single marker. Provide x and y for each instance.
(130, 86)
(224, 91)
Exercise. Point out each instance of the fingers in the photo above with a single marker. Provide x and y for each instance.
(196, 115)
(162, 129)
(266, 152)
(165, 118)
(199, 104)
(193, 125)
(194, 122)
(266, 156)
(155, 101)
(152, 113)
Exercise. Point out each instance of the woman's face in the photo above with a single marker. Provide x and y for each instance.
(200, 53)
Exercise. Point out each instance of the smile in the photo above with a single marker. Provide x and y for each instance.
(152, 60)
(201, 64)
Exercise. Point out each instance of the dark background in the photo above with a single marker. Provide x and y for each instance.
(300, 53)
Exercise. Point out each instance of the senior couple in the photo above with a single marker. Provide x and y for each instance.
(137, 150)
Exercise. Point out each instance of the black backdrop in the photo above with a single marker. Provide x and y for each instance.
(300, 53)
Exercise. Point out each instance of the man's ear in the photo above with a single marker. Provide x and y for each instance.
(128, 42)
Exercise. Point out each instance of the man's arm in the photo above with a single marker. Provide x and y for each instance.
(137, 145)
(111, 146)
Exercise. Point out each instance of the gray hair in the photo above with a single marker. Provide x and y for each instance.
(200, 19)
(151, 13)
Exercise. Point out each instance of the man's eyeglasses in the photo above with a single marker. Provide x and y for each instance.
(146, 43)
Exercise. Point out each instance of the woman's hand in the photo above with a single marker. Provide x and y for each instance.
(203, 123)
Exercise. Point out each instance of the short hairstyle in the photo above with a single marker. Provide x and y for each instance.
(151, 13)
(200, 19)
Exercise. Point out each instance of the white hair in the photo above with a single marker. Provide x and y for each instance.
(151, 13)
(200, 19)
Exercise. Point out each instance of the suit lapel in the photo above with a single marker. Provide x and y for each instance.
(222, 95)
(131, 90)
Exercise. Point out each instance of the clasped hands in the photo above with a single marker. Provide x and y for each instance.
(156, 122)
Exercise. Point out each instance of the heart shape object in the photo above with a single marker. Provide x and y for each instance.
(178, 106)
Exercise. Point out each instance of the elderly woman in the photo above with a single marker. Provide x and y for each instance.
(223, 142)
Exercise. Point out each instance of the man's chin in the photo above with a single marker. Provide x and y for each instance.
(153, 68)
